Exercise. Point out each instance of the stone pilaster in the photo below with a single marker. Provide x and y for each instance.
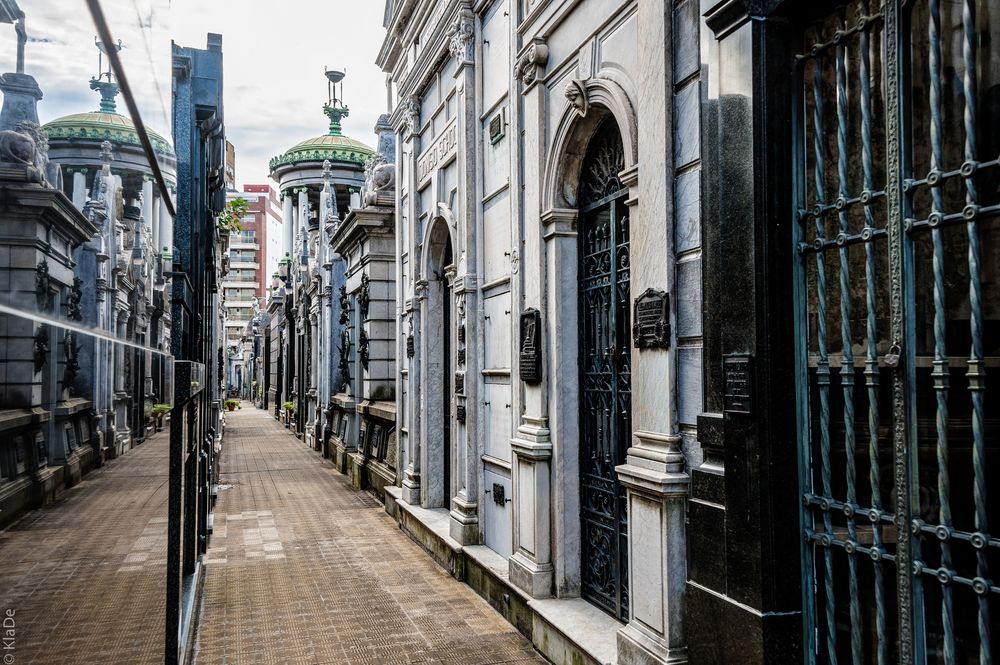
(468, 436)
(530, 567)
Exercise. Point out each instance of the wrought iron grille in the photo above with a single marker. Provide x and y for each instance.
(605, 371)
(898, 296)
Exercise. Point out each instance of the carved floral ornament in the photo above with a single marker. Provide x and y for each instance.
(411, 115)
(460, 39)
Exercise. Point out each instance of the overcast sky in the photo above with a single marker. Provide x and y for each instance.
(274, 54)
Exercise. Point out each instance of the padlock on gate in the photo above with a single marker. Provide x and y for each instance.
(892, 357)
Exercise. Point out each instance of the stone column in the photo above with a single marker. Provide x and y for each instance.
(469, 437)
(416, 289)
(166, 229)
(563, 395)
(79, 188)
(530, 566)
(303, 222)
(653, 474)
(288, 222)
(155, 224)
(147, 200)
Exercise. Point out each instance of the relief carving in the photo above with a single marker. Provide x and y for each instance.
(532, 63)
(460, 39)
(576, 93)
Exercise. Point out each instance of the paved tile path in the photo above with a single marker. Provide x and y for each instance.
(86, 576)
(304, 569)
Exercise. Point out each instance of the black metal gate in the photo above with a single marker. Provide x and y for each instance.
(605, 376)
(898, 321)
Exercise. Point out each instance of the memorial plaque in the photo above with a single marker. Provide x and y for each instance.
(650, 325)
(461, 356)
(460, 413)
(461, 334)
(410, 350)
(460, 382)
(738, 371)
(530, 346)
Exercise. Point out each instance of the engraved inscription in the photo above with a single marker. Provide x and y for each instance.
(530, 355)
(738, 373)
(440, 151)
(650, 327)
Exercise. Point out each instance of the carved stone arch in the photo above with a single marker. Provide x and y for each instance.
(588, 103)
(439, 237)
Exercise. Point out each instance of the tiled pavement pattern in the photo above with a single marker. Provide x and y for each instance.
(350, 588)
(85, 576)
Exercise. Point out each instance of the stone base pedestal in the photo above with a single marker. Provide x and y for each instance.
(530, 567)
(464, 523)
(340, 451)
(411, 487)
(637, 646)
(657, 552)
(533, 578)
(356, 469)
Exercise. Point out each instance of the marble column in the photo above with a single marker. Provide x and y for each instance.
(417, 291)
(147, 200)
(154, 222)
(530, 566)
(79, 188)
(469, 437)
(653, 474)
(166, 229)
(288, 222)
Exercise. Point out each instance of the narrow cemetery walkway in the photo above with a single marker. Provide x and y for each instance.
(86, 576)
(303, 568)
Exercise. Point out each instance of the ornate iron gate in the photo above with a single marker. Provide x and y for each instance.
(605, 361)
(898, 298)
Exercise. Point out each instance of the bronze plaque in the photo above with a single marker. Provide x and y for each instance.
(460, 413)
(738, 371)
(650, 323)
(530, 346)
(410, 350)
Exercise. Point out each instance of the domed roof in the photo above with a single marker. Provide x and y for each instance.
(98, 126)
(334, 147)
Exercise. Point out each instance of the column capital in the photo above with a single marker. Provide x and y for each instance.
(461, 39)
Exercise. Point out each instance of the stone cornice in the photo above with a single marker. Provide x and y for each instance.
(361, 223)
(49, 206)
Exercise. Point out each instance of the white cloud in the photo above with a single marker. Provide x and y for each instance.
(274, 55)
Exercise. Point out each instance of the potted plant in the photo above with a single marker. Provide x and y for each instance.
(289, 408)
(233, 404)
(160, 410)
(230, 221)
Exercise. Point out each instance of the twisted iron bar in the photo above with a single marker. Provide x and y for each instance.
(823, 366)
(871, 359)
(940, 373)
(847, 366)
(976, 373)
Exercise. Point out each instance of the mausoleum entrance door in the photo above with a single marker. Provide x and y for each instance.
(605, 372)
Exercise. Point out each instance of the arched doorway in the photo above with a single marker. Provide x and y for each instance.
(605, 370)
(439, 369)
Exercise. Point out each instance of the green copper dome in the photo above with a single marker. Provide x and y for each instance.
(104, 125)
(100, 126)
(333, 146)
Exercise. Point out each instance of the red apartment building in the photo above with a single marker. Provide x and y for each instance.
(253, 256)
